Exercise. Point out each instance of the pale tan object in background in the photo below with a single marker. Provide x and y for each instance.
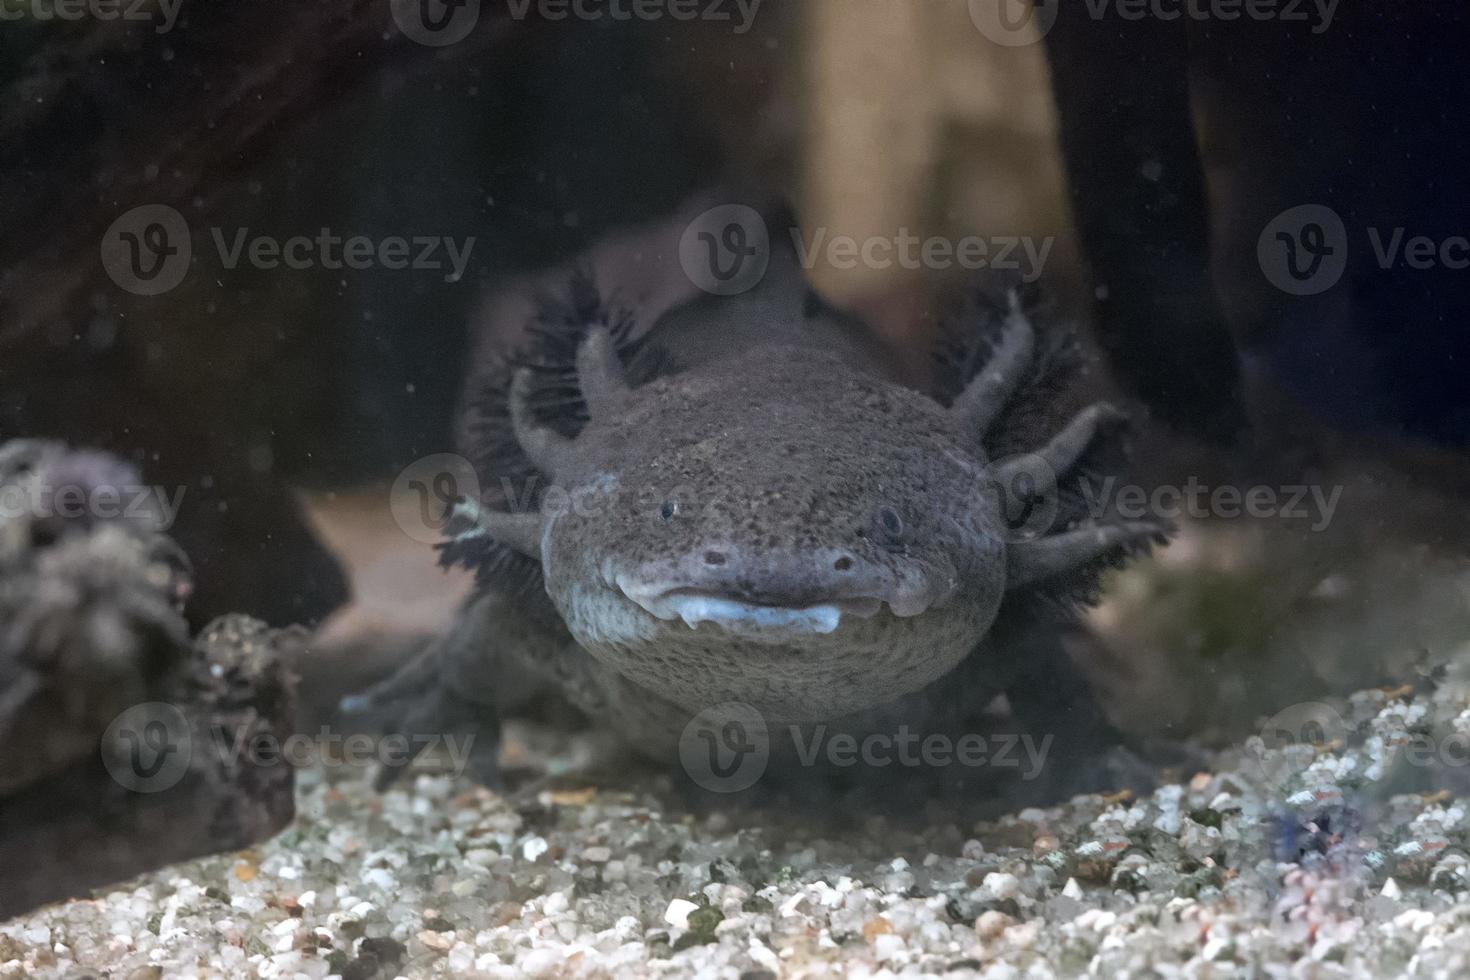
(917, 123)
(397, 584)
(871, 138)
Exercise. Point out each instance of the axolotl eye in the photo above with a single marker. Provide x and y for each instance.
(890, 524)
(669, 509)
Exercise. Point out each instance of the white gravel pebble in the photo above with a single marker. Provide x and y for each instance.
(677, 914)
(1272, 862)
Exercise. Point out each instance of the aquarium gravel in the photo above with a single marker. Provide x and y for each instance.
(1290, 859)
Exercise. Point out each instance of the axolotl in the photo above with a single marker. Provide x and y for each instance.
(745, 505)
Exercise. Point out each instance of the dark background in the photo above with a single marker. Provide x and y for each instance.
(538, 137)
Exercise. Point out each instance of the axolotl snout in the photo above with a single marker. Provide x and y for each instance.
(744, 505)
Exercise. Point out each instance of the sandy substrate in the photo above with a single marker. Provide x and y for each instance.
(1346, 858)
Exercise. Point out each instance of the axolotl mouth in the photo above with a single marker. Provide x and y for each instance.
(695, 606)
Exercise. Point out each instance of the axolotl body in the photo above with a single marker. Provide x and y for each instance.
(744, 505)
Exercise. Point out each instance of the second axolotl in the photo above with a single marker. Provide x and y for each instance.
(741, 509)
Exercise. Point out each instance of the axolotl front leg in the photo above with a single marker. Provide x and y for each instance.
(444, 691)
(491, 662)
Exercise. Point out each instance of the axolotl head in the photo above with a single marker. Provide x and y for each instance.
(779, 529)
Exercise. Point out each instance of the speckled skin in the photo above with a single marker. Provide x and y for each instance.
(773, 461)
(783, 508)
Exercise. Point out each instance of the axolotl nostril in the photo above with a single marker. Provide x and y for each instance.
(743, 504)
